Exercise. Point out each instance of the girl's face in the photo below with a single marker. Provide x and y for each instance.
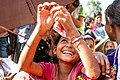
(65, 51)
(109, 45)
(91, 26)
(110, 34)
(98, 19)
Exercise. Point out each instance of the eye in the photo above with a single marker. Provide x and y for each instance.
(64, 40)
(91, 46)
(111, 46)
(106, 46)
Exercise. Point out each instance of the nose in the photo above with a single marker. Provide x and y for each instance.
(69, 45)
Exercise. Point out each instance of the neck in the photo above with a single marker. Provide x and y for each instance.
(65, 68)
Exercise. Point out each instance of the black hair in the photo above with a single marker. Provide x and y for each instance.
(87, 21)
(76, 3)
(97, 13)
(112, 13)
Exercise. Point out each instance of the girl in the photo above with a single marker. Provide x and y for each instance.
(71, 51)
(107, 46)
(112, 16)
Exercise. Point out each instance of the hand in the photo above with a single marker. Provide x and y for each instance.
(63, 17)
(103, 61)
(44, 19)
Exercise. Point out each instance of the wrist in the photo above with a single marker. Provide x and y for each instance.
(75, 39)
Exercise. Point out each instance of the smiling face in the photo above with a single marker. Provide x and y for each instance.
(65, 51)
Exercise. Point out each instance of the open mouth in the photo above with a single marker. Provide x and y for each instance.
(68, 52)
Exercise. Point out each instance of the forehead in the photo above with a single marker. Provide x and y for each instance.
(109, 42)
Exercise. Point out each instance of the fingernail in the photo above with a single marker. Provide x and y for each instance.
(103, 73)
(107, 71)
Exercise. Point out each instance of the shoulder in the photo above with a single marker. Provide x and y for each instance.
(49, 69)
(46, 65)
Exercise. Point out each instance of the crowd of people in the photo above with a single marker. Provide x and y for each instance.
(61, 45)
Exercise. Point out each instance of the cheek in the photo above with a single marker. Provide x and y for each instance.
(106, 49)
(107, 30)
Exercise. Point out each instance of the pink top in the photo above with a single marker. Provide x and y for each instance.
(51, 72)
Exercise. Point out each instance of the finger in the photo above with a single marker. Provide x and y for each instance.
(53, 4)
(107, 64)
(102, 65)
(39, 7)
(55, 9)
(97, 59)
(46, 5)
(59, 14)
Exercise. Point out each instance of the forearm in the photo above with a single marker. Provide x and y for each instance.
(29, 50)
(92, 69)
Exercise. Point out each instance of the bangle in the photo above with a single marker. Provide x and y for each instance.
(75, 38)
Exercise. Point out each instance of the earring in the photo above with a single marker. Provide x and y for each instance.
(110, 30)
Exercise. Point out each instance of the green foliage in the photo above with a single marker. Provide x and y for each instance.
(93, 5)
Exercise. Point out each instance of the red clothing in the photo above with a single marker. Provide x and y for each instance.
(50, 72)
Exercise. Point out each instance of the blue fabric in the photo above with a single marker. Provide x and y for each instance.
(3, 47)
(111, 58)
(24, 31)
(115, 62)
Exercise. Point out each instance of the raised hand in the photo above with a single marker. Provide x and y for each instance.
(63, 17)
(44, 19)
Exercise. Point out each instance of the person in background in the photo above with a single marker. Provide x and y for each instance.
(25, 31)
(90, 42)
(78, 14)
(108, 46)
(98, 26)
(98, 19)
(90, 29)
(4, 44)
(112, 16)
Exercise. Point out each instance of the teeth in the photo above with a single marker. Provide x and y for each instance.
(67, 52)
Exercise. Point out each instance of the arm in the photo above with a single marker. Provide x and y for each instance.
(78, 23)
(91, 66)
(44, 23)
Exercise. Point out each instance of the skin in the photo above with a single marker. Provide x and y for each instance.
(113, 32)
(98, 19)
(45, 21)
(91, 26)
(109, 45)
(91, 44)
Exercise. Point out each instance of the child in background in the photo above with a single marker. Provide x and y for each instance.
(108, 46)
(90, 42)
(90, 30)
(78, 14)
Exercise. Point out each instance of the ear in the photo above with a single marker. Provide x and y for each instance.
(54, 50)
(111, 28)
